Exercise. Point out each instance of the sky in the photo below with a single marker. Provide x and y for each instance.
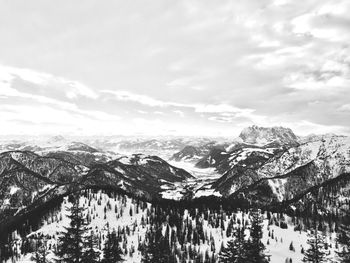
(165, 67)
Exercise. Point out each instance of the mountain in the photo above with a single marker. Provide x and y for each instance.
(285, 175)
(193, 153)
(277, 174)
(250, 142)
(141, 175)
(224, 159)
(266, 135)
(29, 180)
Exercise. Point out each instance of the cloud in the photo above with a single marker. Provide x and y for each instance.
(180, 113)
(344, 108)
(198, 108)
(142, 99)
(220, 108)
(72, 89)
(223, 65)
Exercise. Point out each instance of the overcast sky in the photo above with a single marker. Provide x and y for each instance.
(174, 67)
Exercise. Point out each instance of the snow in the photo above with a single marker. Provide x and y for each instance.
(170, 194)
(125, 160)
(206, 192)
(14, 189)
(99, 223)
(119, 170)
(277, 187)
(278, 247)
(200, 185)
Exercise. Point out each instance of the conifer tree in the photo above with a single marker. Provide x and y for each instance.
(316, 251)
(71, 243)
(91, 255)
(158, 249)
(40, 255)
(235, 252)
(254, 247)
(344, 239)
(112, 252)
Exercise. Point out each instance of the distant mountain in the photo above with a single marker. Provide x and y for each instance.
(138, 174)
(192, 153)
(273, 165)
(252, 141)
(160, 144)
(50, 145)
(266, 135)
(78, 146)
(58, 138)
(280, 171)
(188, 152)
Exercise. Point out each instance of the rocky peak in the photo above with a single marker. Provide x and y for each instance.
(265, 135)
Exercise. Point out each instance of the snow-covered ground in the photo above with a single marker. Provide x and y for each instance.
(116, 217)
(123, 213)
(199, 186)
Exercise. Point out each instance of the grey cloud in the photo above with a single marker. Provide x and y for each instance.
(221, 64)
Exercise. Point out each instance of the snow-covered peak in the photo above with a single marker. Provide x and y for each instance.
(265, 135)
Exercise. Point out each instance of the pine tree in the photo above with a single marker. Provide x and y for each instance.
(90, 255)
(71, 243)
(344, 239)
(158, 249)
(112, 252)
(254, 247)
(40, 255)
(315, 253)
(235, 251)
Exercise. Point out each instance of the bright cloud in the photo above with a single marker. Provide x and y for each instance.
(187, 66)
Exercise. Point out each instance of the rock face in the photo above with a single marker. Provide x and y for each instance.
(278, 175)
(263, 135)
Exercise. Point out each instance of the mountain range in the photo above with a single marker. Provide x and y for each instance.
(267, 167)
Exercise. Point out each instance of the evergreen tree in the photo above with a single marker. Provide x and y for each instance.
(71, 243)
(315, 253)
(235, 252)
(254, 247)
(158, 249)
(90, 254)
(41, 253)
(344, 239)
(112, 252)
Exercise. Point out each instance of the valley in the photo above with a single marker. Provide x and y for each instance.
(199, 196)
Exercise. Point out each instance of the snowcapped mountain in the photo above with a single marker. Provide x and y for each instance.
(265, 135)
(251, 137)
(29, 180)
(271, 175)
(141, 175)
(272, 165)
(278, 173)
(191, 153)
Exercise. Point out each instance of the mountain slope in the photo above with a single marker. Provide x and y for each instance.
(29, 181)
(138, 174)
(287, 173)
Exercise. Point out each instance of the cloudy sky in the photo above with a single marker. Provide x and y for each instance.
(174, 67)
